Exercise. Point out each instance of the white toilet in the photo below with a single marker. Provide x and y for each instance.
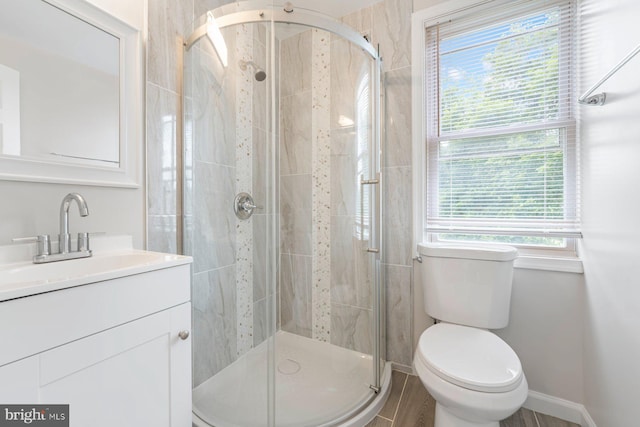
(474, 376)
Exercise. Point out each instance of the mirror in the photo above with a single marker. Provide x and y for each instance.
(57, 86)
(65, 70)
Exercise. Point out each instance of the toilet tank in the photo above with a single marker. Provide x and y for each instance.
(468, 284)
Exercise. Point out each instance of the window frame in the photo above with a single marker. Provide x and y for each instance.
(547, 258)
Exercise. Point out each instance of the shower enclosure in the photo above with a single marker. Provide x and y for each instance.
(282, 217)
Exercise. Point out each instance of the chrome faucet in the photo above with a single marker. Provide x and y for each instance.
(64, 237)
(43, 243)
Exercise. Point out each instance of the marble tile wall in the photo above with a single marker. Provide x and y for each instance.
(264, 256)
(296, 181)
(392, 22)
(351, 143)
(389, 25)
(324, 279)
(214, 321)
(325, 148)
(168, 21)
(295, 291)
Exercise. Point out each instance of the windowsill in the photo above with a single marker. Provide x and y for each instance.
(565, 265)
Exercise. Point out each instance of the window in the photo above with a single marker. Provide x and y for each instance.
(500, 129)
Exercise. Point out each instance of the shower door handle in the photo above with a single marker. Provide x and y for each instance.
(375, 214)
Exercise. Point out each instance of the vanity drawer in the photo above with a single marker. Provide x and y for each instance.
(37, 323)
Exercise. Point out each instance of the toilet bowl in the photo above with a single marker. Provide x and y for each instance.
(474, 376)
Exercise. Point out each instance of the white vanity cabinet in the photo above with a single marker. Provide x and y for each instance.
(117, 351)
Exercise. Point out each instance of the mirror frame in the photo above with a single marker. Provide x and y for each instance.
(131, 117)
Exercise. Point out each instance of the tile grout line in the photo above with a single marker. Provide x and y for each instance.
(535, 416)
(395, 413)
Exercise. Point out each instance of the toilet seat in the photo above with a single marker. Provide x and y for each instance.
(471, 358)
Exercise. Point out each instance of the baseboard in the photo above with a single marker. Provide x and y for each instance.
(587, 421)
(402, 368)
(559, 408)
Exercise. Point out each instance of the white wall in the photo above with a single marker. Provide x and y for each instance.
(33, 208)
(30, 208)
(545, 330)
(611, 214)
(133, 12)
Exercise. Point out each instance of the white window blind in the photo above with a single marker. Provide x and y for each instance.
(501, 140)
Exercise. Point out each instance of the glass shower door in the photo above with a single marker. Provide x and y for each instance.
(328, 194)
(227, 140)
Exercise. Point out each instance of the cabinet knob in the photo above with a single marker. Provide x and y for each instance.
(183, 335)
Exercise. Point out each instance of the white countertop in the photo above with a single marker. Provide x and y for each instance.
(113, 257)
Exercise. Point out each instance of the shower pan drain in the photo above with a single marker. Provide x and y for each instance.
(288, 367)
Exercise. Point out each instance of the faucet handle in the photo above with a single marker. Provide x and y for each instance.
(43, 243)
(83, 242)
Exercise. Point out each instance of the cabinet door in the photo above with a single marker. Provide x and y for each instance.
(181, 367)
(19, 381)
(130, 375)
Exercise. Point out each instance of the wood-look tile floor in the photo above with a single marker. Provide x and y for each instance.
(410, 405)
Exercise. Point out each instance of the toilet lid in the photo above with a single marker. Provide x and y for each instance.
(471, 358)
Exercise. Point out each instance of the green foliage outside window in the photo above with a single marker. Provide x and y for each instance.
(513, 80)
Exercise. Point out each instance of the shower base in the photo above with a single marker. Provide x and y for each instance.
(316, 384)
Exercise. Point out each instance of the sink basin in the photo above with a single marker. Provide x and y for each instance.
(25, 278)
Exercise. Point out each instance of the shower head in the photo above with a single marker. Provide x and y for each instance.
(260, 75)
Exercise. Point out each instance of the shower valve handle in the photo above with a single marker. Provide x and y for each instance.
(248, 206)
(244, 206)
